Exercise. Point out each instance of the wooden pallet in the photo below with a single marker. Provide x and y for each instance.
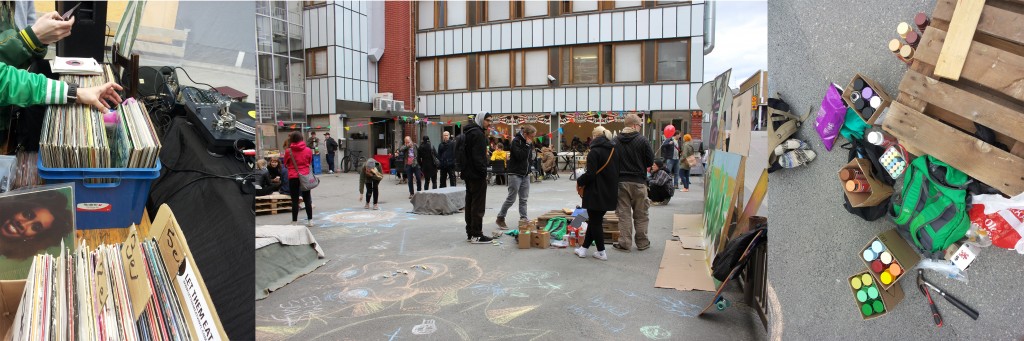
(273, 204)
(611, 221)
(936, 116)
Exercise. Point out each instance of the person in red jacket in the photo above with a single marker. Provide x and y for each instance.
(297, 159)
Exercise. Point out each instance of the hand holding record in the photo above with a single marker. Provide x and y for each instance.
(99, 96)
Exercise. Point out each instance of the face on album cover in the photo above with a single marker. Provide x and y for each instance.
(34, 221)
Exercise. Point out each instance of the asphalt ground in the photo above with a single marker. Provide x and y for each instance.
(482, 292)
(815, 242)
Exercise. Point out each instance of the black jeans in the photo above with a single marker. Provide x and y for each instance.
(659, 194)
(294, 186)
(429, 179)
(447, 174)
(476, 202)
(595, 230)
(411, 172)
(330, 161)
(372, 188)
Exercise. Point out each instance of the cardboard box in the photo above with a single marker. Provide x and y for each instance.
(878, 193)
(525, 239)
(541, 239)
(889, 297)
(10, 298)
(902, 253)
(964, 255)
(876, 88)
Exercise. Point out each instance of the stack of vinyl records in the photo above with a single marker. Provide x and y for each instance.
(84, 295)
(75, 136)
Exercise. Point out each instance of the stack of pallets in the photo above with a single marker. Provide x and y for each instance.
(273, 204)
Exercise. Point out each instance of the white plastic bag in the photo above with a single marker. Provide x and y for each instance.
(1002, 218)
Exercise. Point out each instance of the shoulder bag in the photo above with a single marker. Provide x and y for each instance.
(307, 182)
(579, 189)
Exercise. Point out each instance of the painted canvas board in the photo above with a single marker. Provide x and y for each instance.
(721, 103)
(722, 178)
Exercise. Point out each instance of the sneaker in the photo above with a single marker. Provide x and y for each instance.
(481, 240)
(309, 223)
(375, 207)
(796, 158)
(790, 144)
(501, 223)
(367, 206)
(330, 172)
(295, 222)
(410, 196)
(581, 252)
(618, 247)
(601, 255)
(643, 248)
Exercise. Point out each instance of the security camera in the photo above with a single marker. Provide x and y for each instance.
(551, 78)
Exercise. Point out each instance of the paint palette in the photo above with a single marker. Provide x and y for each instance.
(868, 295)
(882, 263)
(893, 162)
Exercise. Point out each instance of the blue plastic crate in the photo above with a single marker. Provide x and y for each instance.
(106, 205)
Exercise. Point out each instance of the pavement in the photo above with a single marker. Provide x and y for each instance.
(460, 291)
(815, 242)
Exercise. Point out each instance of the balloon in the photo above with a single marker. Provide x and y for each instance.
(670, 131)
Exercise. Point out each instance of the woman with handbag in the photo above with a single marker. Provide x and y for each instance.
(599, 188)
(369, 178)
(687, 158)
(297, 159)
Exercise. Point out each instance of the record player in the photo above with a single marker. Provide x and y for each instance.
(224, 124)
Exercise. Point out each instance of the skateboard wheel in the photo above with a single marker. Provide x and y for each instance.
(722, 303)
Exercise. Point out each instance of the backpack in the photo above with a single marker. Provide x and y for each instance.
(932, 209)
(557, 227)
(460, 152)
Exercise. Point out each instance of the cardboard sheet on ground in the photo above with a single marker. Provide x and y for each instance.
(689, 228)
(684, 269)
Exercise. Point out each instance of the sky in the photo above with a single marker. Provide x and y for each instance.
(741, 41)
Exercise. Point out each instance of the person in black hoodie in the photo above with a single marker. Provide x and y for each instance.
(636, 155)
(474, 172)
(518, 173)
(427, 158)
(600, 192)
(332, 148)
(446, 154)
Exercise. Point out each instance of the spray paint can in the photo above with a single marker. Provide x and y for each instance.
(903, 28)
(850, 174)
(858, 84)
(876, 101)
(857, 186)
(907, 53)
(921, 20)
(867, 113)
(880, 138)
(913, 39)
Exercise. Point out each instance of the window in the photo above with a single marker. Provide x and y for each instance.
(499, 72)
(497, 10)
(313, 3)
(316, 62)
(576, 6)
(627, 4)
(426, 15)
(457, 12)
(443, 74)
(625, 67)
(536, 64)
(513, 69)
(533, 8)
(672, 60)
(582, 64)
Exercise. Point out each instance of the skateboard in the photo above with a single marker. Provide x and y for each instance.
(718, 301)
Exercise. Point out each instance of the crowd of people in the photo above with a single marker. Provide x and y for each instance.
(622, 174)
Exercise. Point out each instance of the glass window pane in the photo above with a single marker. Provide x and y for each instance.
(298, 103)
(456, 13)
(497, 10)
(584, 65)
(426, 17)
(535, 8)
(517, 74)
(583, 6)
(441, 75)
(499, 70)
(481, 71)
(627, 63)
(606, 63)
(672, 62)
(457, 73)
(320, 67)
(281, 73)
(427, 75)
(537, 67)
(566, 66)
(297, 75)
(266, 70)
(624, 4)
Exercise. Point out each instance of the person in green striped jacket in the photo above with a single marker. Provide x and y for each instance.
(23, 88)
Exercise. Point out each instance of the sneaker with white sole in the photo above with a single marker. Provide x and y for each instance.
(790, 144)
(796, 158)
(601, 255)
(309, 223)
(481, 240)
(581, 252)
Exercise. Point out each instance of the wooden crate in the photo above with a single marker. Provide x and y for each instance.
(936, 116)
(273, 204)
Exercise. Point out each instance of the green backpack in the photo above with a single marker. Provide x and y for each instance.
(933, 206)
(556, 227)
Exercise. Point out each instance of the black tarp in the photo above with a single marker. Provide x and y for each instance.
(217, 219)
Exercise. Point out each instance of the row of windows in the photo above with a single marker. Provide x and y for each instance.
(441, 14)
(579, 65)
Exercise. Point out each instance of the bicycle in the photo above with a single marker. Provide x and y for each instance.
(347, 163)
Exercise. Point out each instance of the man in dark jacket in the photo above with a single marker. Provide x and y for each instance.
(446, 154)
(518, 171)
(332, 147)
(635, 156)
(428, 157)
(474, 172)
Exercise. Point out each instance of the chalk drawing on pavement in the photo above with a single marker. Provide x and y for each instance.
(426, 328)
(655, 332)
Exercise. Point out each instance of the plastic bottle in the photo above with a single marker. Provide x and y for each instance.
(978, 236)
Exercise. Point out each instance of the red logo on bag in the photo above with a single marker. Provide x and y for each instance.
(94, 207)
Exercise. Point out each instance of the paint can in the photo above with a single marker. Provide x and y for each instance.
(877, 266)
(858, 186)
(855, 283)
(867, 92)
(859, 104)
(878, 307)
(866, 279)
(921, 20)
(869, 256)
(907, 52)
(873, 292)
(895, 269)
(913, 39)
(876, 101)
(895, 45)
(862, 295)
(885, 257)
(903, 28)
(867, 113)
(885, 277)
(866, 309)
(877, 246)
(850, 174)
(858, 84)
(880, 138)
(854, 96)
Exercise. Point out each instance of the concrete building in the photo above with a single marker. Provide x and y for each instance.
(279, 57)
(560, 64)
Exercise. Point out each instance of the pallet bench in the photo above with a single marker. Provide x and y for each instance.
(936, 116)
(273, 204)
(611, 223)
